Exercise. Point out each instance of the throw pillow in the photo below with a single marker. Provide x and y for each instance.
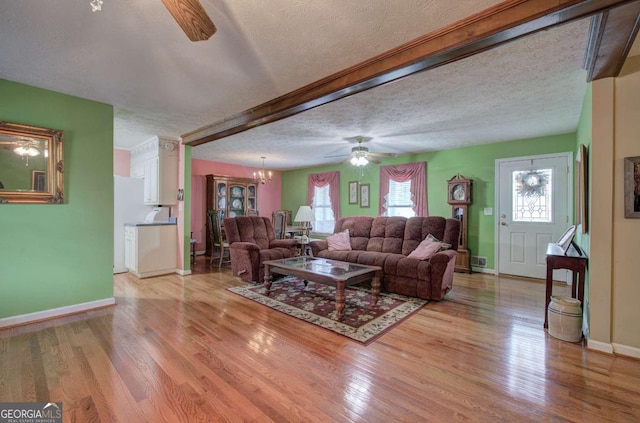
(445, 246)
(426, 249)
(339, 242)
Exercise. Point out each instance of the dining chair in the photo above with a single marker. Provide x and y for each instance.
(281, 219)
(217, 238)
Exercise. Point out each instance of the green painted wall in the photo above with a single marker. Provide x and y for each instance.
(477, 163)
(60, 255)
(583, 136)
(186, 212)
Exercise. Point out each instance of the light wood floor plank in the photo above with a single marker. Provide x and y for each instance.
(187, 349)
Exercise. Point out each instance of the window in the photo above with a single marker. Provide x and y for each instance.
(399, 199)
(323, 195)
(403, 190)
(324, 220)
(532, 195)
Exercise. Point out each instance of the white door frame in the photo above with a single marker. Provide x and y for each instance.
(569, 157)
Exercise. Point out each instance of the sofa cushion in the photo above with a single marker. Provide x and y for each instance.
(417, 229)
(359, 230)
(255, 229)
(350, 256)
(371, 258)
(387, 234)
(339, 242)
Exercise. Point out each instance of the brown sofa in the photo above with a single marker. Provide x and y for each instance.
(252, 241)
(387, 241)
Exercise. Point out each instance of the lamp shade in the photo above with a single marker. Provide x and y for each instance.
(305, 214)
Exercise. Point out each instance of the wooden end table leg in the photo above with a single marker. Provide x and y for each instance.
(267, 278)
(340, 300)
(375, 287)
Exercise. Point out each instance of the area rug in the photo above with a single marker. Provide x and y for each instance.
(363, 321)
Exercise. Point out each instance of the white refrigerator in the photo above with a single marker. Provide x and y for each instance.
(128, 207)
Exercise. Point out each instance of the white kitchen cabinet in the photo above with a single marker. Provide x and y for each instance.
(151, 182)
(157, 162)
(150, 249)
(130, 248)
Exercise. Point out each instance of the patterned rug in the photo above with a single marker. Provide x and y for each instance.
(315, 303)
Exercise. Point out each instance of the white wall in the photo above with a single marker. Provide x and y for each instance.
(615, 240)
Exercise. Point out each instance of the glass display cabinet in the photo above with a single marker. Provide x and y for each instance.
(231, 197)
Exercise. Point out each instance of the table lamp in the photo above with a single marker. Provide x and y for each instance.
(304, 216)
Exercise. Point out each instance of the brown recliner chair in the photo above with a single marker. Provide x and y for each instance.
(252, 241)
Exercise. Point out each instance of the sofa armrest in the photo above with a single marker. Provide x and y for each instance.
(443, 264)
(317, 246)
(283, 243)
(242, 245)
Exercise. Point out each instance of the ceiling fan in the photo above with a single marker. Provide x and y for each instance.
(360, 155)
(192, 18)
(189, 14)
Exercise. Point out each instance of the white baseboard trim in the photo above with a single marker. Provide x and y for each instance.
(626, 350)
(183, 272)
(604, 347)
(613, 348)
(55, 312)
(483, 270)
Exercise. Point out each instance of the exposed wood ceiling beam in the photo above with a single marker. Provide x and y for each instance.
(490, 28)
(611, 35)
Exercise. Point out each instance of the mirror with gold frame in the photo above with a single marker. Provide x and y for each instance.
(31, 164)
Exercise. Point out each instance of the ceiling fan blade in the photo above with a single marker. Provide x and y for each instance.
(383, 154)
(192, 18)
(337, 155)
(372, 159)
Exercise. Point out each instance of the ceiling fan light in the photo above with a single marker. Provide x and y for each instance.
(358, 161)
(96, 5)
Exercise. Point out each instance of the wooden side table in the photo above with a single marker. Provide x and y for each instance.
(556, 259)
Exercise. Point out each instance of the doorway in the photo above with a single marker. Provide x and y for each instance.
(534, 197)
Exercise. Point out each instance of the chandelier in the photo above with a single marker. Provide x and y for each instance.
(262, 176)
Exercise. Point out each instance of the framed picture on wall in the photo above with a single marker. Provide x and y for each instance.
(581, 189)
(353, 192)
(364, 195)
(632, 187)
(38, 180)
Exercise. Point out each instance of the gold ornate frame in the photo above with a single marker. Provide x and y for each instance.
(53, 141)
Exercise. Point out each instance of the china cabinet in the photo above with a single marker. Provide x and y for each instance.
(459, 197)
(231, 197)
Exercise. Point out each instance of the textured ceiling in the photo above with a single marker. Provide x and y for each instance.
(134, 56)
(529, 88)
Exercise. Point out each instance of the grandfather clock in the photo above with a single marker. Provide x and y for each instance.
(459, 196)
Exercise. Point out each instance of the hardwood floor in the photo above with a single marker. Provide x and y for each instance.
(186, 349)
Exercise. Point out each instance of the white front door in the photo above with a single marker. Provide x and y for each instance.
(534, 197)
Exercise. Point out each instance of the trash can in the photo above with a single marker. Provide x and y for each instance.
(565, 318)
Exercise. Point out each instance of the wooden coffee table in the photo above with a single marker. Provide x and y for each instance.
(338, 274)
